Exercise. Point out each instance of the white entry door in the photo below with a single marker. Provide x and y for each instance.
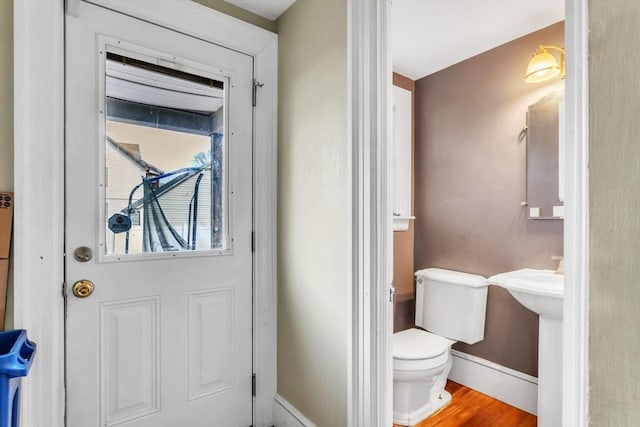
(158, 226)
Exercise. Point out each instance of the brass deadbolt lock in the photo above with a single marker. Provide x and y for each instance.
(82, 288)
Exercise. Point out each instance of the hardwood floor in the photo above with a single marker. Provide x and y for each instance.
(470, 408)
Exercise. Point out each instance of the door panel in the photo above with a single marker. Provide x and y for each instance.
(210, 338)
(129, 337)
(165, 337)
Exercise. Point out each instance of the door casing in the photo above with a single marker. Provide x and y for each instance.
(370, 379)
(39, 220)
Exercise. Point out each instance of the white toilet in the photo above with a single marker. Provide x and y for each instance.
(451, 306)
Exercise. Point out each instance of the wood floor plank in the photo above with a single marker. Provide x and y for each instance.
(470, 408)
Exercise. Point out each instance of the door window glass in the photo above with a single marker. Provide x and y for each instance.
(165, 160)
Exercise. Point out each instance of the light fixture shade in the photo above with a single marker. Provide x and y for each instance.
(543, 66)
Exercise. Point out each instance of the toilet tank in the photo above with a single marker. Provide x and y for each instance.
(451, 304)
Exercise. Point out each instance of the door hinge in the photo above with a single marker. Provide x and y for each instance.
(392, 292)
(253, 385)
(256, 85)
(253, 241)
(64, 290)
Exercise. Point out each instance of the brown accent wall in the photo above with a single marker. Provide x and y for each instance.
(470, 180)
(404, 303)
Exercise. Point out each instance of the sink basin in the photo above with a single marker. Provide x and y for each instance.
(541, 291)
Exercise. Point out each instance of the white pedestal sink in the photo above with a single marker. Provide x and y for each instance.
(542, 292)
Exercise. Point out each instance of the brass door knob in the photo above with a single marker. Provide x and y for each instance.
(82, 288)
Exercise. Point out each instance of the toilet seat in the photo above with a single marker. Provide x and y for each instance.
(417, 350)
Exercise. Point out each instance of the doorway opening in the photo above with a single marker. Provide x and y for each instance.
(575, 214)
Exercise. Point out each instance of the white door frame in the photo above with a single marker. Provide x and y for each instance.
(370, 345)
(39, 186)
(370, 381)
(575, 345)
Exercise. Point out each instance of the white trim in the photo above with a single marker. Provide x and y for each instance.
(286, 415)
(265, 224)
(576, 223)
(505, 384)
(39, 215)
(370, 381)
(575, 395)
(196, 20)
(39, 174)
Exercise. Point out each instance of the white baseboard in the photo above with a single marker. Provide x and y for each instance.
(286, 415)
(507, 385)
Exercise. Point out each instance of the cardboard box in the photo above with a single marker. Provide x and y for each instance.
(4, 274)
(6, 222)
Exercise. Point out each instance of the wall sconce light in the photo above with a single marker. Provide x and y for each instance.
(544, 66)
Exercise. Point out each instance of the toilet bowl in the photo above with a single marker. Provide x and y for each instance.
(451, 306)
(421, 364)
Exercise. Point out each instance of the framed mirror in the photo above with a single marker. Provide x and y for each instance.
(545, 157)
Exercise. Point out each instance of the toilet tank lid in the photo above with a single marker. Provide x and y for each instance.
(454, 277)
(416, 344)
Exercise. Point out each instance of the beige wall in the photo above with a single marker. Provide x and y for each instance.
(6, 116)
(236, 12)
(614, 210)
(6, 95)
(470, 179)
(313, 214)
